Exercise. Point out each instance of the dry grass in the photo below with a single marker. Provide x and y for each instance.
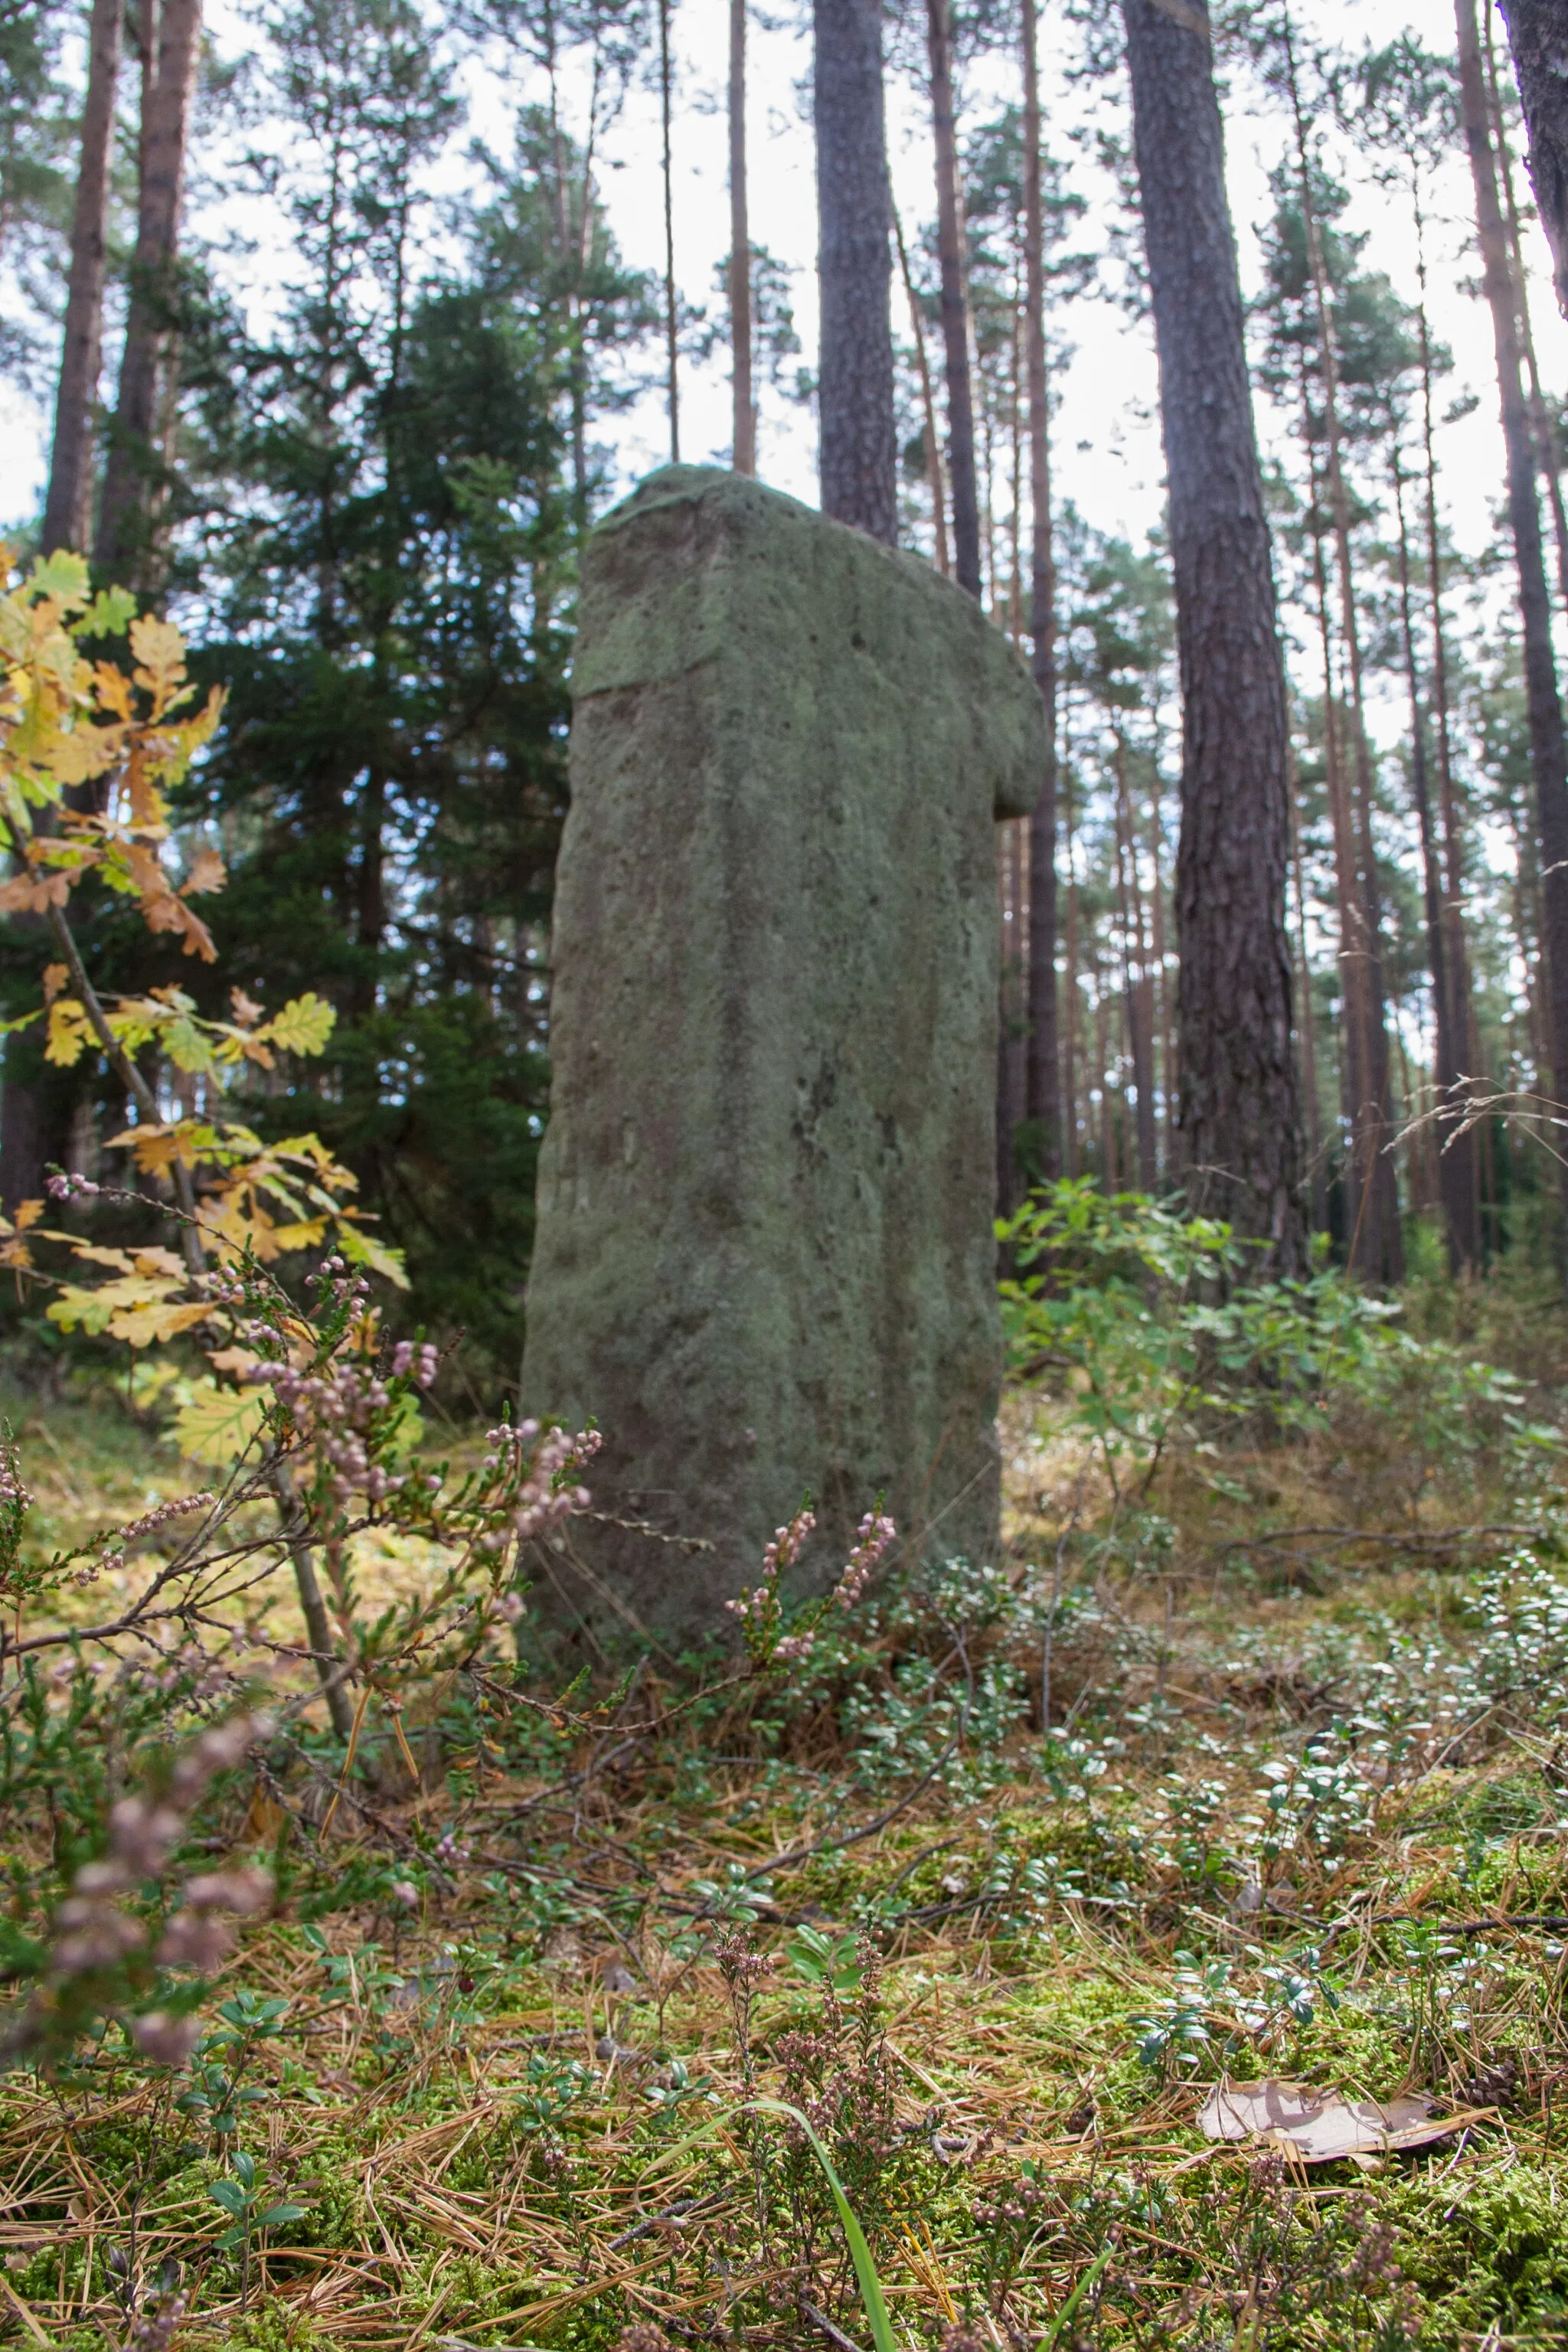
(516, 2115)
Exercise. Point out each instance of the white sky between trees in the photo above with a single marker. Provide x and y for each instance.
(1106, 441)
(1107, 450)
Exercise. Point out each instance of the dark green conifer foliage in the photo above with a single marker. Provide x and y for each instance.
(391, 506)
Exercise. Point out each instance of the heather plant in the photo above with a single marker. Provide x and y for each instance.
(775, 1636)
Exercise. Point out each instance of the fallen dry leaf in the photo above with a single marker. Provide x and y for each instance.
(1324, 2127)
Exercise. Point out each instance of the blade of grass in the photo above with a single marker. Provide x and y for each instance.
(871, 2294)
(1069, 2308)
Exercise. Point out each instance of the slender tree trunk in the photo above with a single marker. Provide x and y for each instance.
(67, 509)
(955, 304)
(671, 304)
(1110, 1171)
(1008, 1105)
(1455, 951)
(1538, 34)
(1542, 425)
(1043, 1086)
(1548, 752)
(1165, 1026)
(1377, 1241)
(932, 438)
(739, 251)
(858, 448)
(1071, 1059)
(1239, 1117)
(1307, 1027)
(1134, 971)
(36, 1105)
(124, 523)
(1456, 1164)
(1354, 1057)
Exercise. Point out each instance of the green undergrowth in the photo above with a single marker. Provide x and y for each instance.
(492, 2065)
(569, 2015)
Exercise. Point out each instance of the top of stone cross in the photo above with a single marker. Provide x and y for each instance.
(737, 519)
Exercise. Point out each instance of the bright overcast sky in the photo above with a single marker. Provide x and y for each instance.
(1106, 438)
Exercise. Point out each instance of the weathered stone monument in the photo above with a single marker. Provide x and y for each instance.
(764, 1257)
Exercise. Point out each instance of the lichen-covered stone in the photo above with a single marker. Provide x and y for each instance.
(763, 1257)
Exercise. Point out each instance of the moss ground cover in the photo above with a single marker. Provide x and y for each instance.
(494, 2068)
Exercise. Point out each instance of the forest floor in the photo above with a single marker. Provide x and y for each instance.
(1298, 1813)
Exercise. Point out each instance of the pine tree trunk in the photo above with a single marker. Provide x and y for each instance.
(1542, 423)
(1165, 1028)
(67, 509)
(1135, 977)
(745, 429)
(1538, 35)
(1305, 1023)
(1239, 1112)
(954, 305)
(1072, 998)
(36, 1106)
(671, 309)
(932, 438)
(124, 524)
(1456, 952)
(1548, 752)
(1377, 1248)
(1042, 1093)
(858, 448)
(1456, 1156)
(1354, 1056)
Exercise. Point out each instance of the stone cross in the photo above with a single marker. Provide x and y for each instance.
(764, 1258)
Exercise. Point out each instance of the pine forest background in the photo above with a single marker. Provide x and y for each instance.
(409, 341)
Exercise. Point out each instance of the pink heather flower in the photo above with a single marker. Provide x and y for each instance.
(177, 1509)
(245, 1890)
(877, 1532)
(98, 1935)
(70, 1187)
(141, 1834)
(195, 1940)
(165, 2041)
(788, 1543)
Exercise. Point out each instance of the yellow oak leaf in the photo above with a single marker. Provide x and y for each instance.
(145, 1327)
(71, 1033)
(218, 1424)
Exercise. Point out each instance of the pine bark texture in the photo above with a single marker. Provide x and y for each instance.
(1548, 750)
(67, 508)
(1042, 1093)
(858, 454)
(1538, 35)
(1239, 1115)
(954, 303)
(745, 425)
(134, 454)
